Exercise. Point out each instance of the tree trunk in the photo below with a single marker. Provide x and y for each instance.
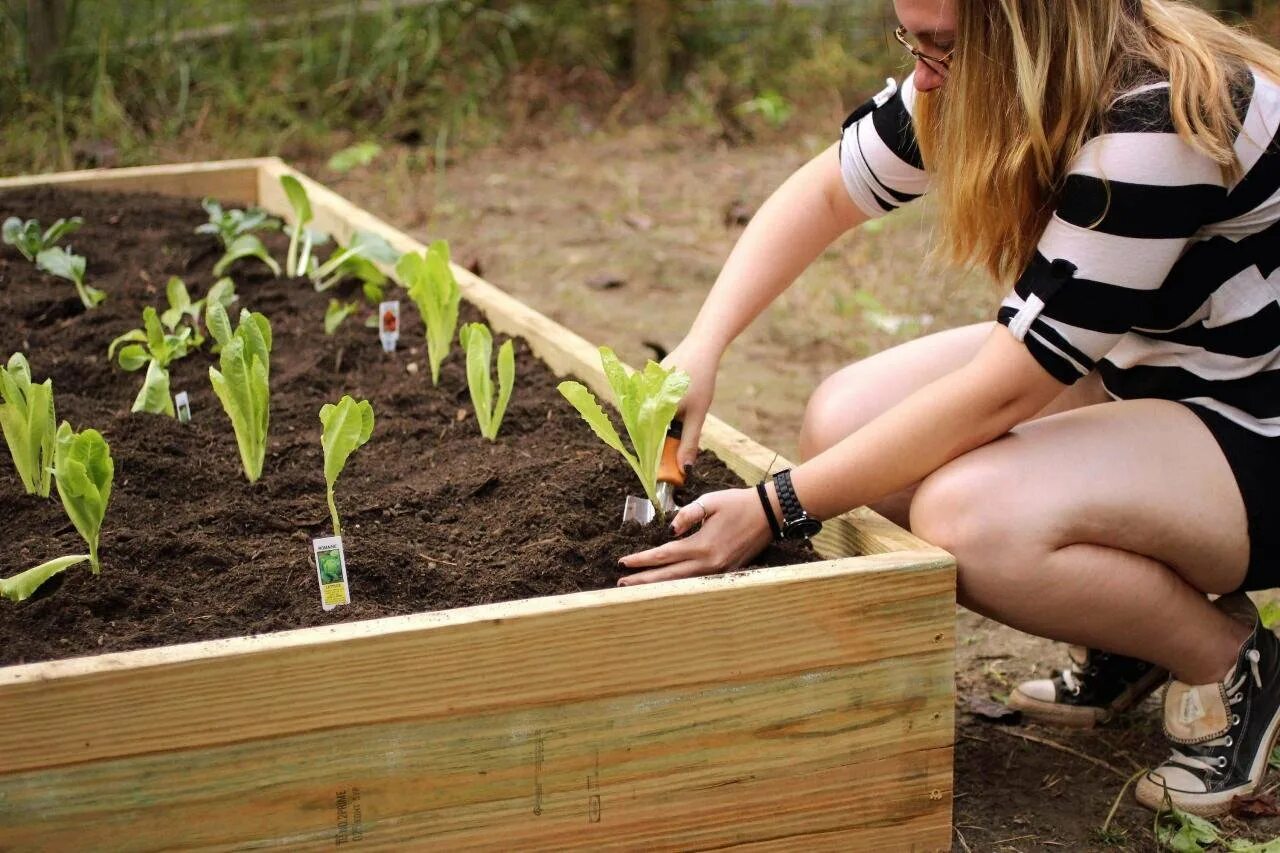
(652, 54)
(46, 20)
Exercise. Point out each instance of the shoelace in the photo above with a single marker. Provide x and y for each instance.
(1210, 764)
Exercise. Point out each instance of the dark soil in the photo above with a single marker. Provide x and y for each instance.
(434, 516)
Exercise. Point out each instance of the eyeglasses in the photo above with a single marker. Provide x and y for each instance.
(940, 64)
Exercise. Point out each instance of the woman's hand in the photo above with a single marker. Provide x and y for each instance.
(733, 530)
(701, 362)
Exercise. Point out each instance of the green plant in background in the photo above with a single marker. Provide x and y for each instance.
(21, 586)
(301, 239)
(27, 238)
(153, 348)
(223, 292)
(770, 105)
(83, 470)
(227, 225)
(346, 427)
(647, 400)
(361, 154)
(245, 246)
(27, 418)
(62, 263)
(337, 312)
(358, 260)
(477, 343)
(431, 285)
(243, 383)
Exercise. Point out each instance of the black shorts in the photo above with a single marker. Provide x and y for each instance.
(1255, 461)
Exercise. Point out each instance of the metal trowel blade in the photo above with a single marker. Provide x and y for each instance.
(638, 510)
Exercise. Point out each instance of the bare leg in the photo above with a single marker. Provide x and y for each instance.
(856, 394)
(1103, 526)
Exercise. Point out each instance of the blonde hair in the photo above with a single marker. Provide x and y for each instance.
(1032, 80)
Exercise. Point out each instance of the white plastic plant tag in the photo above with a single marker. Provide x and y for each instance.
(389, 324)
(331, 570)
(182, 404)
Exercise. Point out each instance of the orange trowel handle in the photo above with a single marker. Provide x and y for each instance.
(669, 471)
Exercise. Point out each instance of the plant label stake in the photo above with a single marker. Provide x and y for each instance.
(389, 324)
(331, 569)
(183, 405)
(637, 507)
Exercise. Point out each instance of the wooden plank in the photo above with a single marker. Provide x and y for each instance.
(698, 765)
(232, 181)
(746, 625)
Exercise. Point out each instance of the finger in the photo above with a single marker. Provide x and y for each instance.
(690, 516)
(683, 569)
(663, 555)
(688, 452)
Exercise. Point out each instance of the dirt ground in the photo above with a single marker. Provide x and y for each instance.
(619, 237)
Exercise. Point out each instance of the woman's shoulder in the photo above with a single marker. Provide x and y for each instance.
(1145, 105)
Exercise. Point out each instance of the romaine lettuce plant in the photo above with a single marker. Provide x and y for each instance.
(301, 239)
(21, 586)
(647, 401)
(83, 470)
(153, 348)
(27, 418)
(227, 225)
(358, 260)
(477, 343)
(27, 238)
(245, 246)
(223, 292)
(336, 313)
(347, 426)
(243, 383)
(63, 264)
(433, 288)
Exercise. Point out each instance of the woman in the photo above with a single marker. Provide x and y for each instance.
(1100, 458)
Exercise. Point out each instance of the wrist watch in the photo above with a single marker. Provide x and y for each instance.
(796, 523)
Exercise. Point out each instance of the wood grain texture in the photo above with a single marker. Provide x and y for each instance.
(802, 707)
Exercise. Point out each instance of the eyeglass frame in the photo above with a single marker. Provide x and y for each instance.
(944, 61)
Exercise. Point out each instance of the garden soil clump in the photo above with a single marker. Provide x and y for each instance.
(434, 516)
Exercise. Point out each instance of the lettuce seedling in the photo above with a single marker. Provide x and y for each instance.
(62, 263)
(27, 418)
(433, 288)
(23, 585)
(301, 239)
(83, 470)
(336, 313)
(155, 349)
(477, 343)
(28, 239)
(243, 383)
(223, 292)
(358, 260)
(347, 426)
(647, 401)
(227, 225)
(246, 246)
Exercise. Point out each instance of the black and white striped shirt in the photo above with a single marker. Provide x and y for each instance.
(1153, 270)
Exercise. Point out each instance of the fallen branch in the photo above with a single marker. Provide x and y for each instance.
(1063, 748)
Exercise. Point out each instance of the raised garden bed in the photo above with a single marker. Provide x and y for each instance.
(804, 704)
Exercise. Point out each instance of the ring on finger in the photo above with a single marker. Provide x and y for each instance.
(702, 507)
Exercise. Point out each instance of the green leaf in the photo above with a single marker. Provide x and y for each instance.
(27, 420)
(1269, 613)
(134, 356)
(585, 402)
(84, 470)
(154, 396)
(299, 238)
(477, 342)
(242, 385)
(361, 154)
(60, 229)
(346, 427)
(246, 246)
(179, 303)
(297, 195)
(433, 288)
(21, 586)
(63, 264)
(336, 313)
(13, 232)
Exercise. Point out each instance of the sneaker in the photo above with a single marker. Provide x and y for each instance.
(1098, 686)
(1223, 732)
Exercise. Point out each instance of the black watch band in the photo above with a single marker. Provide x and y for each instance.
(768, 511)
(796, 523)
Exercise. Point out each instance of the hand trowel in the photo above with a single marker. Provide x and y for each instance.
(670, 476)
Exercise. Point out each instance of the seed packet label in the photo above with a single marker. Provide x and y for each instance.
(389, 324)
(331, 569)
(183, 406)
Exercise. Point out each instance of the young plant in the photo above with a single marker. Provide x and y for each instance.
(27, 418)
(301, 239)
(647, 401)
(336, 313)
(153, 348)
(477, 343)
(63, 264)
(359, 261)
(23, 585)
(27, 238)
(223, 292)
(83, 470)
(243, 383)
(245, 246)
(227, 225)
(347, 426)
(432, 287)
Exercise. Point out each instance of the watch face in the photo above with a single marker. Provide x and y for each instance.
(803, 528)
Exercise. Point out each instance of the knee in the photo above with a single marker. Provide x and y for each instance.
(832, 413)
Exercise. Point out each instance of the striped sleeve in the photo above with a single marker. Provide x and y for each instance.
(1134, 198)
(879, 157)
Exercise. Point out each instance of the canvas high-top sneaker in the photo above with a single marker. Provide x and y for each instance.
(1098, 686)
(1222, 732)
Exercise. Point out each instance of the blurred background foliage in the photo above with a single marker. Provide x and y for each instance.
(88, 82)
